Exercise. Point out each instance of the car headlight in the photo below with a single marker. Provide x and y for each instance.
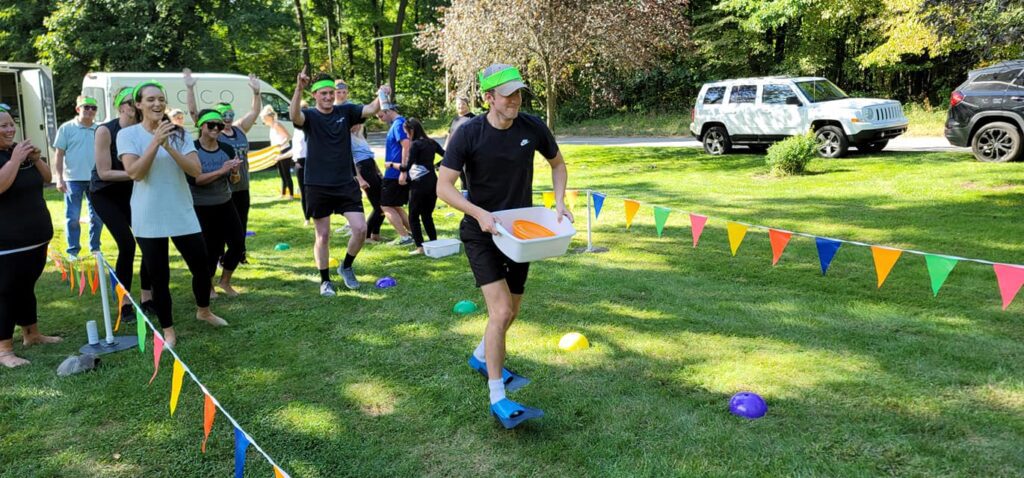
(868, 114)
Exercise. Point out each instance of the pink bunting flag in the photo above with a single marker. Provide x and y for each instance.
(158, 348)
(697, 226)
(1010, 279)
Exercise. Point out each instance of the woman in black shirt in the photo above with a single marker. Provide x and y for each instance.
(423, 182)
(23, 239)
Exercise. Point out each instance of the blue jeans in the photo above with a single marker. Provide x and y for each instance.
(72, 212)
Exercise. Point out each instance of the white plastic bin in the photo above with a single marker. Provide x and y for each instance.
(441, 248)
(520, 250)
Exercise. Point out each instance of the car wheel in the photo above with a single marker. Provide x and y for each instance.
(716, 141)
(872, 147)
(832, 142)
(996, 143)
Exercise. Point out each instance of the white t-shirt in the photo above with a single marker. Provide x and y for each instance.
(162, 201)
(298, 144)
(277, 138)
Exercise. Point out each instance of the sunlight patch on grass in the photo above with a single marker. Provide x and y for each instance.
(75, 463)
(36, 394)
(373, 398)
(416, 330)
(1005, 397)
(313, 420)
(258, 376)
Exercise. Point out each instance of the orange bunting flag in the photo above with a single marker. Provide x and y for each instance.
(278, 473)
(63, 274)
(120, 303)
(779, 239)
(570, 199)
(81, 281)
(176, 376)
(885, 259)
(549, 199)
(209, 412)
(631, 208)
(158, 348)
(94, 281)
(736, 233)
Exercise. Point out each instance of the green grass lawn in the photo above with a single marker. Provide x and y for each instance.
(860, 381)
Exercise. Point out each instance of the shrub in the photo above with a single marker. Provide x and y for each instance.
(791, 155)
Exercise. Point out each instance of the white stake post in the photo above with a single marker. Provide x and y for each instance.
(102, 272)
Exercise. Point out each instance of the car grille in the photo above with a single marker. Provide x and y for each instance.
(887, 112)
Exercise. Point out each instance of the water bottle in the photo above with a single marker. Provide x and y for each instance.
(385, 99)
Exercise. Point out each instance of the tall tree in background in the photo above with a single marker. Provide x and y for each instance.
(304, 42)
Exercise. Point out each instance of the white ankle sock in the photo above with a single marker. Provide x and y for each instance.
(479, 352)
(497, 390)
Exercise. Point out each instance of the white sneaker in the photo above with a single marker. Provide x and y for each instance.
(327, 289)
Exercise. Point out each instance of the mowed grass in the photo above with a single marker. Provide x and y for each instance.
(860, 381)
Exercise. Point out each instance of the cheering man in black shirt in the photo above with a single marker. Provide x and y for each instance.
(496, 152)
(330, 186)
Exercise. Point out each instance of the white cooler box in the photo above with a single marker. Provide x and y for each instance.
(441, 248)
(520, 250)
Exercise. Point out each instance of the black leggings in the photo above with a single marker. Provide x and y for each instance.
(300, 176)
(154, 254)
(368, 170)
(18, 275)
(241, 200)
(113, 205)
(284, 168)
(221, 227)
(422, 200)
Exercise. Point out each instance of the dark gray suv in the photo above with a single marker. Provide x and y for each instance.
(987, 112)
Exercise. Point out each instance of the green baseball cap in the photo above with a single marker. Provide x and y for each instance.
(86, 100)
(503, 79)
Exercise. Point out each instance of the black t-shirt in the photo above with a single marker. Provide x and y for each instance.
(23, 213)
(96, 184)
(459, 121)
(421, 153)
(329, 144)
(499, 163)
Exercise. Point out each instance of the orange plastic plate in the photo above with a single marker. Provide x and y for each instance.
(527, 230)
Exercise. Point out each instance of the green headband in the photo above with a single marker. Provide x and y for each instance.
(88, 101)
(137, 92)
(322, 84)
(4, 108)
(210, 116)
(124, 94)
(223, 109)
(498, 78)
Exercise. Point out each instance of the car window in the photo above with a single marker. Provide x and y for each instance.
(714, 95)
(743, 94)
(1018, 84)
(776, 94)
(821, 90)
(279, 104)
(1001, 76)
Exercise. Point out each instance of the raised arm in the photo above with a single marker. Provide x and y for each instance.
(250, 118)
(190, 94)
(374, 106)
(295, 107)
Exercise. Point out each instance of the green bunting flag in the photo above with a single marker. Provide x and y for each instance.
(939, 268)
(140, 324)
(660, 216)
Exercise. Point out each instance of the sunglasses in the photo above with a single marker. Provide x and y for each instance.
(212, 126)
(228, 116)
(89, 107)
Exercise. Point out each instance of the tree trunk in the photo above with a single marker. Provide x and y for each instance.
(549, 95)
(351, 55)
(303, 42)
(396, 45)
(378, 45)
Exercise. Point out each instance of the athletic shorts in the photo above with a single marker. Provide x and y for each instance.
(322, 201)
(488, 263)
(393, 194)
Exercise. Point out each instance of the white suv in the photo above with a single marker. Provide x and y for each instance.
(756, 112)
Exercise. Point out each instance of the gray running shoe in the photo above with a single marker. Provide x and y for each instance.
(349, 277)
(406, 241)
(327, 289)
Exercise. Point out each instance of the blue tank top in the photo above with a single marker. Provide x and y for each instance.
(240, 143)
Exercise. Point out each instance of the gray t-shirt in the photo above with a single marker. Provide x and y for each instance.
(240, 143)
(218, 191)
(161, 201)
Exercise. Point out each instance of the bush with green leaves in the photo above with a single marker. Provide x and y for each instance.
(792, 155)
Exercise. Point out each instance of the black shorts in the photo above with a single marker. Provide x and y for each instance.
(393, 194)
(322, 201)
(488, 263)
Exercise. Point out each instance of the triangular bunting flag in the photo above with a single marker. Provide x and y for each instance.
(697, 226)
(1010, 279)
(63, 274)
(91, 273)
(779, 239)
(660, 216)
(939, 268)
(827, 249)
(241, 445)
(71, 275)
(158, 348)
(81, 281)
(598, 202)
(570, 199)
(885, 258)
(177, 375)
(140, 327)
(631, 208)
(736, 233)
(549, 199)
(95, 281)
(209, 412)
(278, 473)
(120, 303)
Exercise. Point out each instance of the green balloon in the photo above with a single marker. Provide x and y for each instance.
(282, 246)
(464, 307)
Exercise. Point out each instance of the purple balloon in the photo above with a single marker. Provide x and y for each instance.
(748, 405)
(386, 282)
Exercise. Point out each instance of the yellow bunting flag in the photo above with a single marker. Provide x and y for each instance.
(631, 208)
(885, 259)
(736, 233)
(278, 473)
(549, 199)
(92, 280)
(71, 268)
(570, 199)
(120, 303)
(176, 376)
(209, 412)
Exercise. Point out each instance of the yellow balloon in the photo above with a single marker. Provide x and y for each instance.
(573, 341)
(333, 262)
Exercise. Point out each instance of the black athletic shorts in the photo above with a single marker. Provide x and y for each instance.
(489, 264)
(322, 201)
(393, 194)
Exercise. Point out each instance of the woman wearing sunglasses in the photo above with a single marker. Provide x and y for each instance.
(157, 154)
(23, 240)
(234, 135)
(211, 195)
(110, 192)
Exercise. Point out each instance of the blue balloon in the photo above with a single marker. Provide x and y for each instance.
(386, 282)
(748, 405)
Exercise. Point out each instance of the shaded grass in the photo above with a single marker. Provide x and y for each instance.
(860, 381)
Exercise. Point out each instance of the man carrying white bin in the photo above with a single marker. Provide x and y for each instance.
(496, 152)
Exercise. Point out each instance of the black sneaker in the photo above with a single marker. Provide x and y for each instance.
(127, 314)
